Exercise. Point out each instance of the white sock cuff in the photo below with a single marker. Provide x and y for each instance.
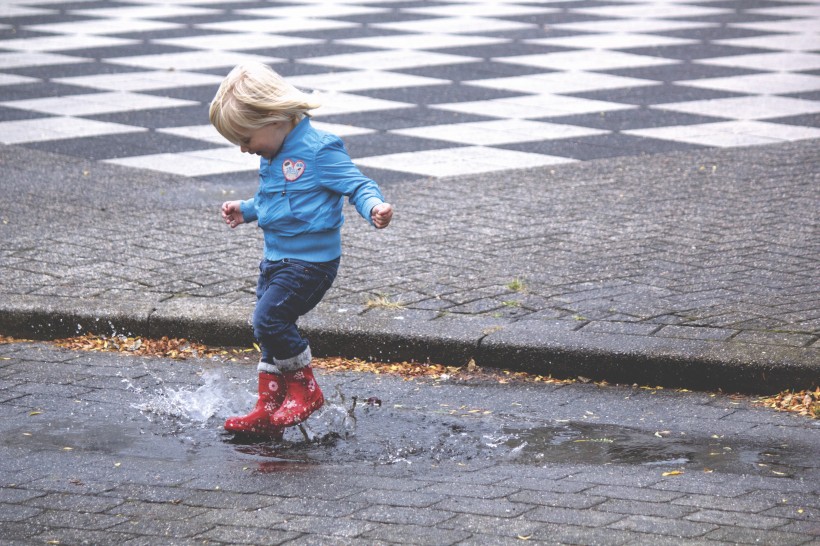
(268, 368)
(295, 362)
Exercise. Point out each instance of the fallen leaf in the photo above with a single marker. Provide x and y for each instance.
(524, 537)
(33, 413)
(672, 473)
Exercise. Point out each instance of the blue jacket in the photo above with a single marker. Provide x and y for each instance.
(301, 194)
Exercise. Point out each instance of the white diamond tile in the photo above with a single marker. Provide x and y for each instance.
(191, 61)
(730, 133)
(41, 130)
(361, 79)
(343, 103)
(23, 59)
(277, 25)
(773, 83)
(62, 43)
(612, 40)
(459, 161)
(422, 41)
(491, 133)
(806, 41)
(484, 9)
(197, 132)
(789, 25)
(328, 10)
(533, 106)
(776, 62)
(163, 11)
(455, 25)
(587, 60)
(96, 103)
(632, 25)
(561, 82)
(103, 26)
(237, 41)
(142, 81)
(655, 10)
(199, 163)
(746, 108)
(184, 2)
(341, 130)
(11, 79)
(388, 60)
(808, 10)
(11, 10)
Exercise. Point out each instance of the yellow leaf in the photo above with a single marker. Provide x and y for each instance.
(68, 448)
(524, 537)
(33, 413)
(672, 473)
(258, 350)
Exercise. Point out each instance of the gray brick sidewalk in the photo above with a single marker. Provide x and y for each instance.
(95, 449)
(694, 269)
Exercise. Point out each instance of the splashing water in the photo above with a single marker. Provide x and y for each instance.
(219, 397)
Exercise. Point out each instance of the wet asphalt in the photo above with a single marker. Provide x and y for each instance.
(105, 448)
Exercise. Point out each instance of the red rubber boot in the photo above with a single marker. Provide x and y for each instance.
(272, 391)
(303, 398)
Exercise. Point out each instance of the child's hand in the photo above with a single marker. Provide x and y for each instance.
(232, 213)
(381, 215)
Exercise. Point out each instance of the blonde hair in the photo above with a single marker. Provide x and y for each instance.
(254, 95)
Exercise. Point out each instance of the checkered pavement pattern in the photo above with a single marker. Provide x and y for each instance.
(415, 88)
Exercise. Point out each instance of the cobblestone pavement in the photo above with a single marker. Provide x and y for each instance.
(103, 448)
(641, 245)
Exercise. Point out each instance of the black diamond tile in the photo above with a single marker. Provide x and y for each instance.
(680, 72)
(402, 118)
(438, 94)
(159, 117)
(386, 178)
(640, 118)
(805, 120)
(70, 70)
(388, 143)
(39, 90)
(742, 5)
(598, 147)
(394, 16)
(694, 51)
(122, 145)
(655, 94)
(200, 93)
(712, 33)
(557, 18)
(299, 52)
(16, 114)
(736, 17)
(113, 52)
(472, 71)
(805, 95)
(499, 50)
(347, 33)
(68, 6)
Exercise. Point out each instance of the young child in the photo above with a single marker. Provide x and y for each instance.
(304, 175)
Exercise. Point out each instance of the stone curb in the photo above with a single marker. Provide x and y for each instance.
(552, 347)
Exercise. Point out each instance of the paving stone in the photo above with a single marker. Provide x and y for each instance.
(663, 526)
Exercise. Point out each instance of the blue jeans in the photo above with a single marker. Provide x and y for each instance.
(286, 290)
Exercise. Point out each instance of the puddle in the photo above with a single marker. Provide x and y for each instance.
(185, 423)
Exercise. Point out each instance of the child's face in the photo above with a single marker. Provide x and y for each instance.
(265, 141)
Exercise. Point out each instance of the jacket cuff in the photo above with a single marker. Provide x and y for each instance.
(367, 208)
(248, 209)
